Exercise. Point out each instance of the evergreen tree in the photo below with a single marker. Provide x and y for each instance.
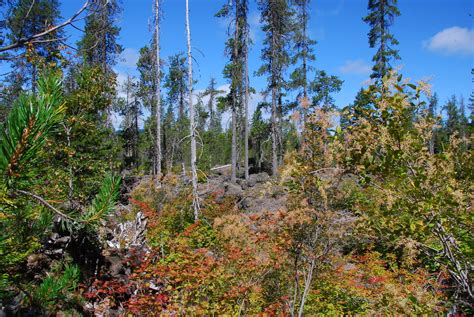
(214, 142)
(259, 136)
(303, 46)
(453, 117)
(157, 144)
(463, 121)
(471, 107)
(380, 18)
(235, 70)
(147, 89)
(99, 45)
(146, 78)
(175, 83)
(214, 123)
(361, 103)
(323, 87)
(27, 18)
(82, 150)
(276, 16)
(27, 215)
(129, 107)
(170, 138)
(432, 113)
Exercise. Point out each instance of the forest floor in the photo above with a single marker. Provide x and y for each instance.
(127, 233)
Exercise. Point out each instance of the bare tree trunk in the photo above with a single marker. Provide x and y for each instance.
(307, 286)
(246, 105)
(157, 94)
(233, 176)
(135, 134)
(192, 126)
(280, 130)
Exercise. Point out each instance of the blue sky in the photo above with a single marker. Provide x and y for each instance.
(436, 40)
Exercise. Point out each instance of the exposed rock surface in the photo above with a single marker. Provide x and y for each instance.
(256, 194)
(125, 232)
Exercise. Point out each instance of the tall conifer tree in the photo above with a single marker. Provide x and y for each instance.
(158, 154)
(381, 16)
(276, 16)
(303, 46)
(236, 71)
(27, 18)
(99, 44)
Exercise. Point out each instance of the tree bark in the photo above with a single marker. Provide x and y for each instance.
(233, 176)
(192, 126)
(305, 53)
(235, 83)
(274, 111)
(157, 94)
(274, 133)
(246, 105)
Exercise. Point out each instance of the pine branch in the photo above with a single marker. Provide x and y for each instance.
(105, 200)
(28, 125)
(43, 202)
(36, 38)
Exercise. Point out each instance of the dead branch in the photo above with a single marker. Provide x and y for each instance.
(43, 202)
(37, 37)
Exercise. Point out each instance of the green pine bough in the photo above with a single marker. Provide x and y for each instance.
(24, 215)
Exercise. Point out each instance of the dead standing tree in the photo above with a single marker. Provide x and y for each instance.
(192, 124)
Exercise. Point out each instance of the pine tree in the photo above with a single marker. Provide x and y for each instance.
(323, 87)
(146, 91)
(463, 121)
(129, 107)
(453, 117)
(99, 45)
(246, 46)
(214, 123)
(361, 102)
(158, 153)
(175, 83)
(432, 113)
(381, 16)
(276, 16)
(170, 138)
(471, 106)
(83, 144)
(27, 18)
(303, 46)
(236, 72)
(214, 143)
(259, 135)
(23, 224)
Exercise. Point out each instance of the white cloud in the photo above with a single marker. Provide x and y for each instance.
(357, 67)
(129, 58)
(254, 26)
(453, 40)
